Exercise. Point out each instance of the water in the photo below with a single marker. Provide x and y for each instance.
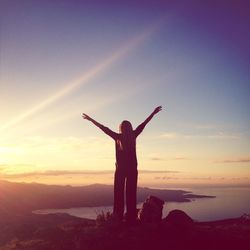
(229, 203)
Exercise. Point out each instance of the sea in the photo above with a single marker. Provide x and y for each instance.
(230, 202)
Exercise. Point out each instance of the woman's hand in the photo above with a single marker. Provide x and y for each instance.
(158, 109)
(85, 116)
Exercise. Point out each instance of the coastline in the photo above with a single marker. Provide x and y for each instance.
(40, 196)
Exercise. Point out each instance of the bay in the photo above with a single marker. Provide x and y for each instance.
(230, 202)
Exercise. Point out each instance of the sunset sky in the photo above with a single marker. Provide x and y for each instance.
(117, 60)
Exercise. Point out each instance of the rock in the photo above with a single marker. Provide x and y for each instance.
(245, 219)
(151, 210)
(179, 218)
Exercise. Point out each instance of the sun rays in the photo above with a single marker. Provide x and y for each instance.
(85, 78)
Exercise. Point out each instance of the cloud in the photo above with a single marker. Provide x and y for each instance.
(56, 173)
(240, 178)
(205, 126)
(239, 160)
(157, 171)
(166, 178)
(157, 159)
(46, 144)
(4, 168)
(76, 172)
(170, 135)
(180, 158)
(217, 136)
(200, 178)
(222, 135)
(177, 158)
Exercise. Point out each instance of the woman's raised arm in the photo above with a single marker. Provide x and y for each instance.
(106, 130)
(140, 128)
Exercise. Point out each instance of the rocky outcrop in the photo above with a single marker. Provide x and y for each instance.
(178, 218)
(151, 210)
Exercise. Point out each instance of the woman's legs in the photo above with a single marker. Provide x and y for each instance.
(131, 188)
(119, 184)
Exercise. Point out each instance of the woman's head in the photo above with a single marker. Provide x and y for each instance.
(128, 139)
(126, 127)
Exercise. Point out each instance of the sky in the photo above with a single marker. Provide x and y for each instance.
(117, 60)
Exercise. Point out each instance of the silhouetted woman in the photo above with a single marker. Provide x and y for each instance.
(126, 164)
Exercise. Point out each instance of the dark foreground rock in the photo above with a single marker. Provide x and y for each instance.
(151, 210)
(179, 218)
(63, 232)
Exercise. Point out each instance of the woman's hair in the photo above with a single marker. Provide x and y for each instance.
(127, 141)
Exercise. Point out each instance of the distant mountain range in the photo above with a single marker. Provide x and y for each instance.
(26, 197)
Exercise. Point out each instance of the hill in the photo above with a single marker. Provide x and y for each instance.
(63, 232)
(23, 197)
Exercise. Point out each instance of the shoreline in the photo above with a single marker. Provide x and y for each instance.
(218, 221)
(39, 196)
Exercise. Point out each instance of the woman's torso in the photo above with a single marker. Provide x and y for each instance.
(126, 158)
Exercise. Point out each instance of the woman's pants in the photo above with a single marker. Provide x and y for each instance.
(128, 180)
